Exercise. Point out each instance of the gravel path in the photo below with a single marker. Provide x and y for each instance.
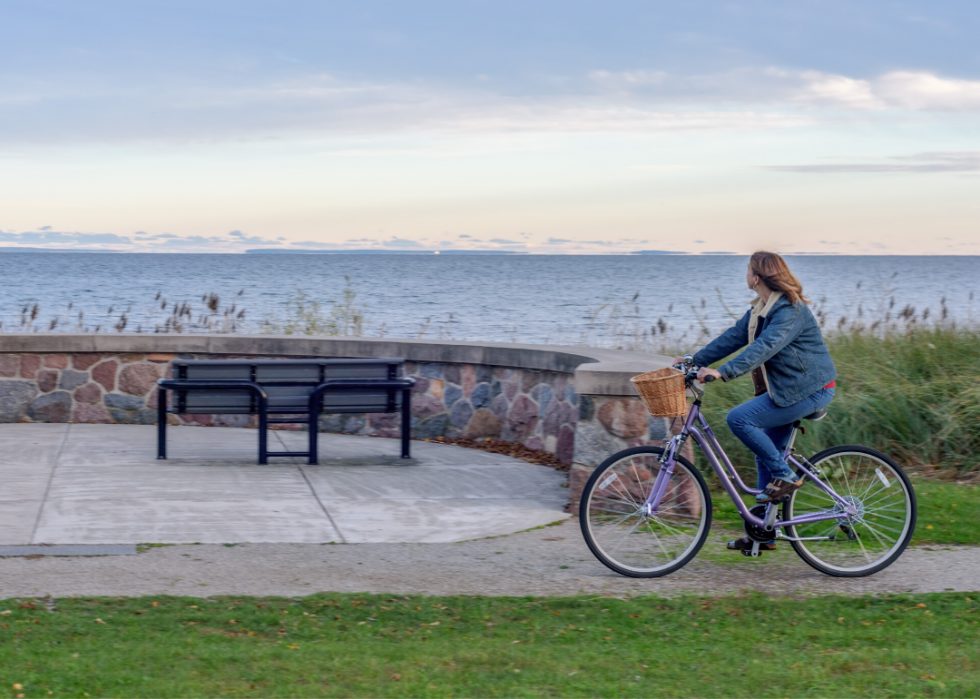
(549, 561)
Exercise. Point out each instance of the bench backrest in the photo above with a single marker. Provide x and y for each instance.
(288, 383)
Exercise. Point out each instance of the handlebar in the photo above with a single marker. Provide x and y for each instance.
(691, 371)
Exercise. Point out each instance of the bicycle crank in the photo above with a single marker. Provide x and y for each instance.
(758, 534)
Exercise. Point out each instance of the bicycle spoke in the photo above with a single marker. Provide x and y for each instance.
(631, 505)
(883, 498)
(659, 542)
(674, 514)
(631, 500)
(632, 529)
(825, 532)
(665, 525)
(847, 485)
(874, 533)
(875, 516)
(882, 526)
(863, 550)
(621, 519)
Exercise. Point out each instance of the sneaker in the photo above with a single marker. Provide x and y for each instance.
(780, 488)
(745, 544)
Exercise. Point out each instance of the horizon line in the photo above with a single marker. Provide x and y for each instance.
(484, 252)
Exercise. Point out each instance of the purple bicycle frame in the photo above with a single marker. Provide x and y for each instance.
(705, 438)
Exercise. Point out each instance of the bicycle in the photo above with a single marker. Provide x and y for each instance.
(646, 511)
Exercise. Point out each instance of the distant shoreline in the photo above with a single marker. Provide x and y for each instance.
(452, 253)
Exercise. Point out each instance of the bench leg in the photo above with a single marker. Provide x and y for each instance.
(161, 424)
(314, 429)
(263, 436)
(406, 423)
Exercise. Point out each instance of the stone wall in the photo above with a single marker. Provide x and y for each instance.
(536, 408)
(575, 402)
(80, 387)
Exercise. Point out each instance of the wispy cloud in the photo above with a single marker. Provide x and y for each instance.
(776, 87)
(597, 101)
(322, 105)
(954, 161)
(401, 243)
(59, 238)
(46, 237)
(315, 244)
(926, 91)
(239, 237)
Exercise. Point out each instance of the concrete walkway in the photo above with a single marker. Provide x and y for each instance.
(444, 523)
(549, 561)
(101, 484)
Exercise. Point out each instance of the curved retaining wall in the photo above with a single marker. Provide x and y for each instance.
(575, 402)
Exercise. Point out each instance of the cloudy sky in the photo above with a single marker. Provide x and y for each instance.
(577, 126)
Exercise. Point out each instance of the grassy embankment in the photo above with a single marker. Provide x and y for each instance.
(375, 645)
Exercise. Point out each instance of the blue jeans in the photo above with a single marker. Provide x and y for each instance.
(765, 428)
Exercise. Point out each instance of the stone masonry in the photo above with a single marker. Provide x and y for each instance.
(539, 408)
(536, 408)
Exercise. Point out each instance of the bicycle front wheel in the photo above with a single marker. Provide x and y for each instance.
(630, 540)
(853, 546)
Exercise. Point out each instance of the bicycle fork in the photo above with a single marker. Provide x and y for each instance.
(652, 504)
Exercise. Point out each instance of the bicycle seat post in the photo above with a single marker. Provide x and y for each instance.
(792, 436)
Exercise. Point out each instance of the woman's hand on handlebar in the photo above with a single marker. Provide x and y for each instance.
(705, 374)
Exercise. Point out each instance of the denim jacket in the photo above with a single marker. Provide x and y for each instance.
(788, 343)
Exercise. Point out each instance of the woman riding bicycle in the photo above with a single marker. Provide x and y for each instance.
(790, 366)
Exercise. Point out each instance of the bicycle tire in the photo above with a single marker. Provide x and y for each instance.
(811, 557)
(689, 552)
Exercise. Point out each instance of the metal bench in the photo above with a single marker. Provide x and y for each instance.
(304, 387)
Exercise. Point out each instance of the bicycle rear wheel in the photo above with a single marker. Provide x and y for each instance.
(854, 546)
(630, 541)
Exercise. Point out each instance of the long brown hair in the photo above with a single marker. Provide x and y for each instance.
(774, 273)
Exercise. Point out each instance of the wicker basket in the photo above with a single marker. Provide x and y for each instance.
(663, 392)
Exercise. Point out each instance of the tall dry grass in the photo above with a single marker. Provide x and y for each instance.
(914, 395)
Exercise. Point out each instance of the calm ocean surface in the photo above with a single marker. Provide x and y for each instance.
(498, 298)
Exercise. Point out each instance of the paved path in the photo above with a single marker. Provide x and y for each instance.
(548, 561)
(415, 528)
(102, 484)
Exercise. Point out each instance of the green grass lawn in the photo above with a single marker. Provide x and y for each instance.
(377, 645)
(948, 513)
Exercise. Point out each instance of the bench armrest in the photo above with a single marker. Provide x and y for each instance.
(338, 384)
(185, 384)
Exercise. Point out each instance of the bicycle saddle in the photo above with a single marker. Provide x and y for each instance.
(819, 415)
